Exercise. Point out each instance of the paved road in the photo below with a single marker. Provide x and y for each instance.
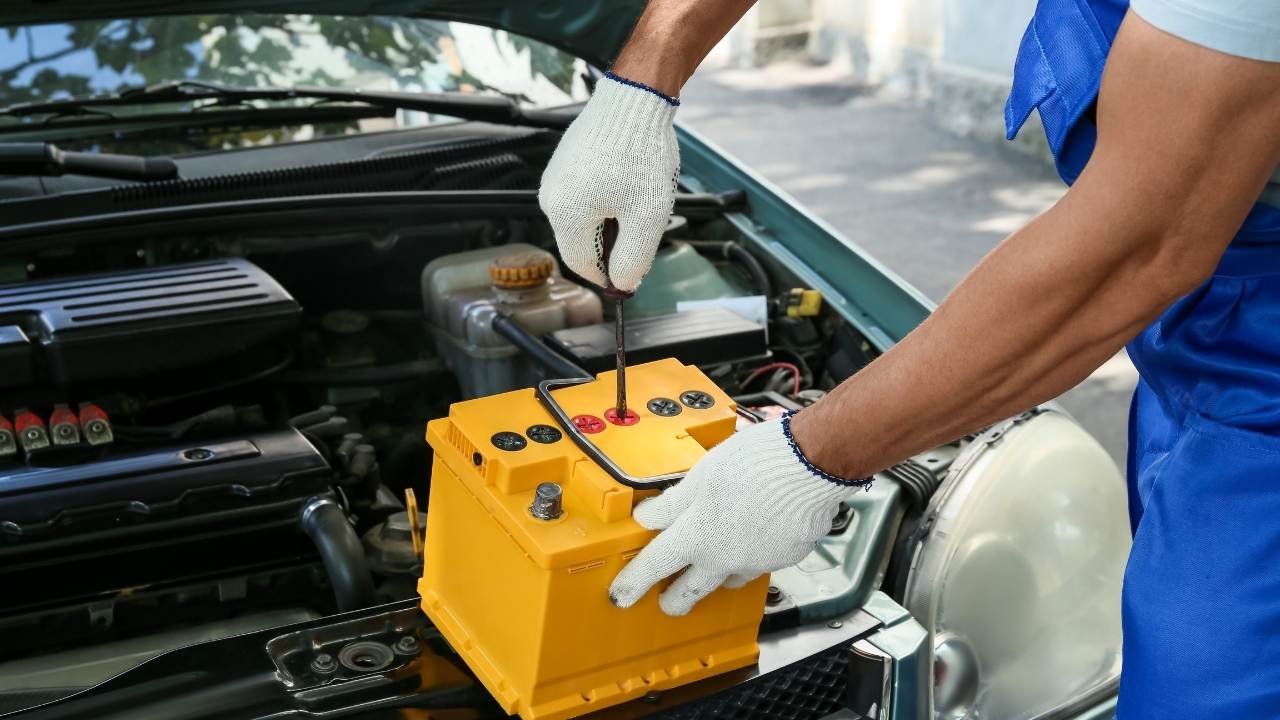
(925, 202)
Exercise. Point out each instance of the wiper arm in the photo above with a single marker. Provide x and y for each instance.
(484, 108)
(71, 125)
(48, 160)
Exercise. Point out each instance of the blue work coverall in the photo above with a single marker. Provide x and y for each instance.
(1201, 599)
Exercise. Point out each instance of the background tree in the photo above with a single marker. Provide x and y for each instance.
(244, 50)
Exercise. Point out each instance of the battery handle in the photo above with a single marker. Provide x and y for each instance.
(579, 438)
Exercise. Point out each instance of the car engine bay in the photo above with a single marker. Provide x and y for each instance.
(222, 431)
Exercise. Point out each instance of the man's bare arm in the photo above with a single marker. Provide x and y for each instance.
(672, 37)
(1187, 138)
(619, 156)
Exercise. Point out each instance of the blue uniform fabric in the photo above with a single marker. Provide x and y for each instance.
(1201, 602)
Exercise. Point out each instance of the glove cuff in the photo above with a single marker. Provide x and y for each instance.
(864, 482)
(633, 109)
(672, 101)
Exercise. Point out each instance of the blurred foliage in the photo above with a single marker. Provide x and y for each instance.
(244, 50)
(547, 61)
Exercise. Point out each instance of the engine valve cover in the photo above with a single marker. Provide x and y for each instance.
(525, 533)
(132, 525)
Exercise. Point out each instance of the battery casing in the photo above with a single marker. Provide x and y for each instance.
(525, 601)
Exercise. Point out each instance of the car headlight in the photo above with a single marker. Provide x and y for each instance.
(1018, 578)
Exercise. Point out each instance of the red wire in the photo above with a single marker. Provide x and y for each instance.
(795, 374)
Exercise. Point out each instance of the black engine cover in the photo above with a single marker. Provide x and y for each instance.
(138, 322)
(115, 530)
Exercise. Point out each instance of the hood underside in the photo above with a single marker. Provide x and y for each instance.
(593, 30)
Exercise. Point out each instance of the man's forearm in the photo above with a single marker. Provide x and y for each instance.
(1179, 161)
(1032, 320)
(672, 37)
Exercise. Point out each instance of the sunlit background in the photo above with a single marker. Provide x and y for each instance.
(885, 117)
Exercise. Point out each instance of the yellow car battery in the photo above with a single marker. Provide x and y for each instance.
(529, 520)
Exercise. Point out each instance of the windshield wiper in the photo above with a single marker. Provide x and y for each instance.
(484, 108)
(48, 160)
(74, 125)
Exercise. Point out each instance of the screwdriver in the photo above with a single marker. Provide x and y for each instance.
(608, 236)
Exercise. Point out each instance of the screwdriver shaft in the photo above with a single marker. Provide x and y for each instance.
(619, 333)
(608, 236)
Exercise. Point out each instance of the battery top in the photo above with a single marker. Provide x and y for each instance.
(504, 446)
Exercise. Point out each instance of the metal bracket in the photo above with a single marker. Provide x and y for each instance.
(371, 642)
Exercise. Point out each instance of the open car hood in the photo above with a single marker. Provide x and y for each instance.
(593, 30)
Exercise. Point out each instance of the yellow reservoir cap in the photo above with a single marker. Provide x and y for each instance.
(520, 270)
(525, 600)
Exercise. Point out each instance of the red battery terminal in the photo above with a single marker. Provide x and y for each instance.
(95, 424)
(630, 418)
(8, 441)
(32, 434)
(64, 426)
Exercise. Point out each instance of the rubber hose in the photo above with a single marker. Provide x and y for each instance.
(910, 486)
(326, 524)
(559, 367)
(917, 481)
(731, 250)
(753, 266)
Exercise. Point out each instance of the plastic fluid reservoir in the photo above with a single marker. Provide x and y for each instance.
(529, 521)
(462, 292)
(680, 273)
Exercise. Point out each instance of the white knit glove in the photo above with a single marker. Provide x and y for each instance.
(751, 506)
(619, 159)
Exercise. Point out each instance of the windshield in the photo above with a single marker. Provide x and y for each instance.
(103, 57)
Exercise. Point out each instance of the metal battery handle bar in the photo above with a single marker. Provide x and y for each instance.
(546, 387)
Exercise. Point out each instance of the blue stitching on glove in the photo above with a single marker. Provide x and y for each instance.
(786, 430)
(673, 102)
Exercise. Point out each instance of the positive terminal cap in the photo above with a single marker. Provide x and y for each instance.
(630, 418)
(520, 270)
(589, 424)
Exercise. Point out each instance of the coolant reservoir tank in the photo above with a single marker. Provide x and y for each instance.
(461, 294)
(530, 520)
(680, 273)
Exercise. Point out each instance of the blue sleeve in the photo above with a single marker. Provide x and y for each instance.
(1247, 28)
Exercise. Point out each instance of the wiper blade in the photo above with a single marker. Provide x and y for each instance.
(48, 160)
(71, 125)
(484, 108)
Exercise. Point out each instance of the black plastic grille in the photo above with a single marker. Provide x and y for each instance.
(464, 166)
(504, 171)
(808, 690)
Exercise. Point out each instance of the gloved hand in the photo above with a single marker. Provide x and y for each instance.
(619, 159)
(752, 505)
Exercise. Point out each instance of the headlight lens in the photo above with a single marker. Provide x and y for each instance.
(1019, 578)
